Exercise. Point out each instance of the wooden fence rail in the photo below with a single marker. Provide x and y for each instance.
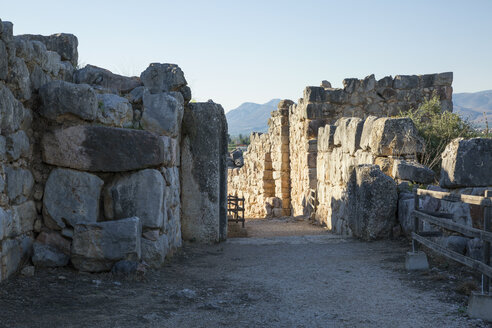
(445, 222)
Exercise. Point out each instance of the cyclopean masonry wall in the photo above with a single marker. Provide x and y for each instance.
(91, 160)
(296, 182)
(264, 180)
(356, 162)
(358, 98)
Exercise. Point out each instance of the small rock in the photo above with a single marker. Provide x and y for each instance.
(28, 271)
(124, 267)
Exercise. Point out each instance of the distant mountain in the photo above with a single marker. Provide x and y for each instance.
(250, 117)
(471, 106)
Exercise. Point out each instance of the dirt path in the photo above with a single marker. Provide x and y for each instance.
(320, 280)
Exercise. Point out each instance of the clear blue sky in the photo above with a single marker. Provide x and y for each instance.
(238, 51)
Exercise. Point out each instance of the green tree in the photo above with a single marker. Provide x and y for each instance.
(437, 128)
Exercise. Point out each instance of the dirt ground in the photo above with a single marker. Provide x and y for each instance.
(280, 273)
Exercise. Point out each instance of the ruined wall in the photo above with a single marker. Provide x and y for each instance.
(90, 160)
(264, 180)
(358, 98)
(354, 196)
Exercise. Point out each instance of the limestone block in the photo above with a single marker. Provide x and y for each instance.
(412, 171)
(64, 44)
(406, 82)
(17, 145)
(204, 173)
(55, 240)
(38, 78)
(395, 137)
(19, 184)
(372, 200)
(4, 61)
(18, 79)
(13, 116)
(163, 78)
(162, 113)
(467, 163)
(154, 251)
(94, 75)
(102, 149)
(443, 79)
(97, 246)
(60, 98)
(14, 253)
(48, 256)
(114, 110)
(140, 194)
(71, 197)
(25, 214)
(365, 138)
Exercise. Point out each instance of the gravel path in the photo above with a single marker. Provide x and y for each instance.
(317, 280)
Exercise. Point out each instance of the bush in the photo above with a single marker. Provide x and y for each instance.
(437, 128)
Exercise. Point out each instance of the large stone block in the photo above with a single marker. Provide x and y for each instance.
(18, 79)
(13, 115)
(60, 98)
(372, 200)
(154, 251)
(94, 75)
(162, 113)
(163, 78)
(114, 110)
(204, 173)
(467, 163)
(412, 171)
(348, 133)
(19, 184)
(140, 194)
(395, 137)
(102, 149)
(64, 44)
(4, 61)
(17, 145)
(48, 256)
(97, 246)
(70, 198)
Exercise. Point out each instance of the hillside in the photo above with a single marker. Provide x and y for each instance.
(250, 117)
(472, 106)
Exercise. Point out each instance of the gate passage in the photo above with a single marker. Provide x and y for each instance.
(235, 209)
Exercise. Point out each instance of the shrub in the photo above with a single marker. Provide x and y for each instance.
(437, 128)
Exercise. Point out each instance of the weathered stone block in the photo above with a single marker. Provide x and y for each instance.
(19, 184)
(97, 246)
(94, 75)
(467, 163)
(140, 194)
(412, 171)
(204, 173)
(372, 200)
(162, 113)
(4, 61)
(163, 78)
(395, 137)
(365, 138)
(406, 82)
(114, 110)
(102, 149)
(64, 44)
(59, 98)
(154, 251)
(71, 197)
(18, 79)
(48, 256)
(17, 145)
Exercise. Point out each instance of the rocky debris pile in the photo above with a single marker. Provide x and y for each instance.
(90, 161)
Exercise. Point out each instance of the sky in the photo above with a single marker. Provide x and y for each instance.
(253, 51)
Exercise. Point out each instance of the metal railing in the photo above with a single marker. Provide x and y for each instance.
(235, 209)
(444, 221)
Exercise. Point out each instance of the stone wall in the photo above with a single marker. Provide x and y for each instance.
(90, 160)
(264, 180)
(355, 163)
(291, 144)
(358, 98)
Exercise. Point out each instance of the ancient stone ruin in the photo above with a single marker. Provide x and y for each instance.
(98, 168)
(340, 157)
